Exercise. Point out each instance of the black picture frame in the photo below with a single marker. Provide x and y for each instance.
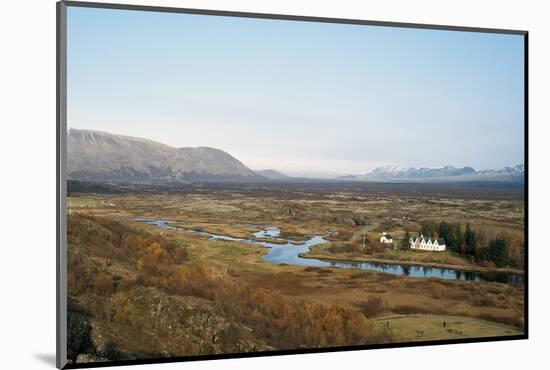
(61, 189)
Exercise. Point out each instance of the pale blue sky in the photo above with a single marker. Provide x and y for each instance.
(299, 96)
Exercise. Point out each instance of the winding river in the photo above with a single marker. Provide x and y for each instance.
(288, 252)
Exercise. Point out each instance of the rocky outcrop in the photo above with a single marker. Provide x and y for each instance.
(148, 323)
(78, 335)
(84, 358)
(185, 324)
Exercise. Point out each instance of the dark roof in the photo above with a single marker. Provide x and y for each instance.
(388, 236)
(441, 241)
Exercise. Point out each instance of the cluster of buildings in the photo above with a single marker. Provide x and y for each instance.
(420, 243)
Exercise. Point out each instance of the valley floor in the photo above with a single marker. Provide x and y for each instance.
(181, 314)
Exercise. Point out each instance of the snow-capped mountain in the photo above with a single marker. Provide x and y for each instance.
(395, 172)
(411, 172)
(518, 170)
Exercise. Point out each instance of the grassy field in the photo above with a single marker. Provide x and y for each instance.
(395, 308)
(428, 327)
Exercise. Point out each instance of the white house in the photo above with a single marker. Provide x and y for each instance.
(427, 244)
(386, 238)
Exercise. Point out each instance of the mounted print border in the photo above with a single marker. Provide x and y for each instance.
(64, 207)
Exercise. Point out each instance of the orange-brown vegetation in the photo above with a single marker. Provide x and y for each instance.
(131, 281)
(280, 322)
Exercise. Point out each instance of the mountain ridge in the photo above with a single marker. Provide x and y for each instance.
(397, 173)
(102, 156)
(99, 156)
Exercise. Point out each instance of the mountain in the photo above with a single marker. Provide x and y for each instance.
(443, 173)
(273, 175)
(101, 156)
(397, 172)
(386, 172)
(518, 170)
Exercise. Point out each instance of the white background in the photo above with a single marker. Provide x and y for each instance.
(27, 197)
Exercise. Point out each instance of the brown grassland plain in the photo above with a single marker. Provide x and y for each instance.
(396, 308)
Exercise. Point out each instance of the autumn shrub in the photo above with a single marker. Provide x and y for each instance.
(103, 284)
(281, 322)
(459, 295)
(155, 257)
(372, 307)
(344, 248)
(194, 280)
(378, 247)
(407, 309)
(508, 320)
(108, 238)
(79, 273)
(491, 300)
(176, 251)
(155, 260)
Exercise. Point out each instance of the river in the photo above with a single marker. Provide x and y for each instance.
(289, 251)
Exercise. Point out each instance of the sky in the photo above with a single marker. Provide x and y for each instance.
(303, 98)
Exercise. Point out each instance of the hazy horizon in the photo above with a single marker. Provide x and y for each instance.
(299, 97)
(286, 172)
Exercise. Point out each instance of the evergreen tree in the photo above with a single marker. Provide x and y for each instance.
(459, 238)
(405, 240)
(482, 242)
(428, 229)
(470, 241)
(498, 251)
(445, 232)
